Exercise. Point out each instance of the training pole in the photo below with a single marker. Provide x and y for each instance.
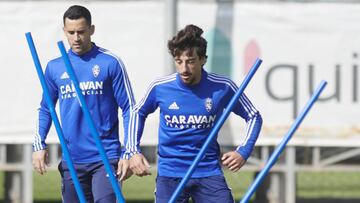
(95, 134)
(215, 130)
(54, 117)
(275, 155)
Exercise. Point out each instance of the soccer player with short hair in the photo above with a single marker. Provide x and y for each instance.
(106, 87)
(191, 101)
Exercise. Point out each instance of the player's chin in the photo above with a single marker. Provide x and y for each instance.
(188, 81)
(77, 49)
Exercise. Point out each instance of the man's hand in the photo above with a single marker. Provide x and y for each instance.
(233, 161)
(139, 165)
(123, 170)
(40, 160)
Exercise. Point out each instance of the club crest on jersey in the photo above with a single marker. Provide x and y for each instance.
(96, 70)
(208, 104)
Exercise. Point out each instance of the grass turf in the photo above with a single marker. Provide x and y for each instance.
(310, 185)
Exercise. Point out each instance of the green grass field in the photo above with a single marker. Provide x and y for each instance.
(311, 185)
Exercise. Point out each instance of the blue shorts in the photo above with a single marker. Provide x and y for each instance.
(213, 189)
(93, 179)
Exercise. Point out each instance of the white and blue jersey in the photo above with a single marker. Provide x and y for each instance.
(105, 85)
(187, 116)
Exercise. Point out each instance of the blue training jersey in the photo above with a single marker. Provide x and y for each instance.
(105, 85)
(187, 116)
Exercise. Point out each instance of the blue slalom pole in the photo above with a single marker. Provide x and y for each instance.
(55, 119)
(215, 130)
(95, 134)
(275, 155)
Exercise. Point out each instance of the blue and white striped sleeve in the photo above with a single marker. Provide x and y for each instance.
(123, 94)
(253, 125)
(247, 111)
(44, 120)
(146, 106)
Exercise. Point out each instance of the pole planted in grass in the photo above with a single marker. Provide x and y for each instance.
(275, 155)
(54, 117)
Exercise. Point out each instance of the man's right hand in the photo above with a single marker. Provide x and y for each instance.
(40, 160)
(139, 165)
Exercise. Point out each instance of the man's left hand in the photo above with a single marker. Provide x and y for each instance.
(233, 161)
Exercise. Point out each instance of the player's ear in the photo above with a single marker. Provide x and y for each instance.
(92, 29)
(203, 60)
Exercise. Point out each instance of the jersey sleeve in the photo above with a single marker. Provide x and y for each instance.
(146, 106)
(253, 126)
(253, 119)
(123, 94)
(44, 117)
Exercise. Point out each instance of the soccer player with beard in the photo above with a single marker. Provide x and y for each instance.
(191, 101)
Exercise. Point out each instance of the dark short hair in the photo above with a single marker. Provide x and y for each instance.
(190, 39)
(76, 12)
